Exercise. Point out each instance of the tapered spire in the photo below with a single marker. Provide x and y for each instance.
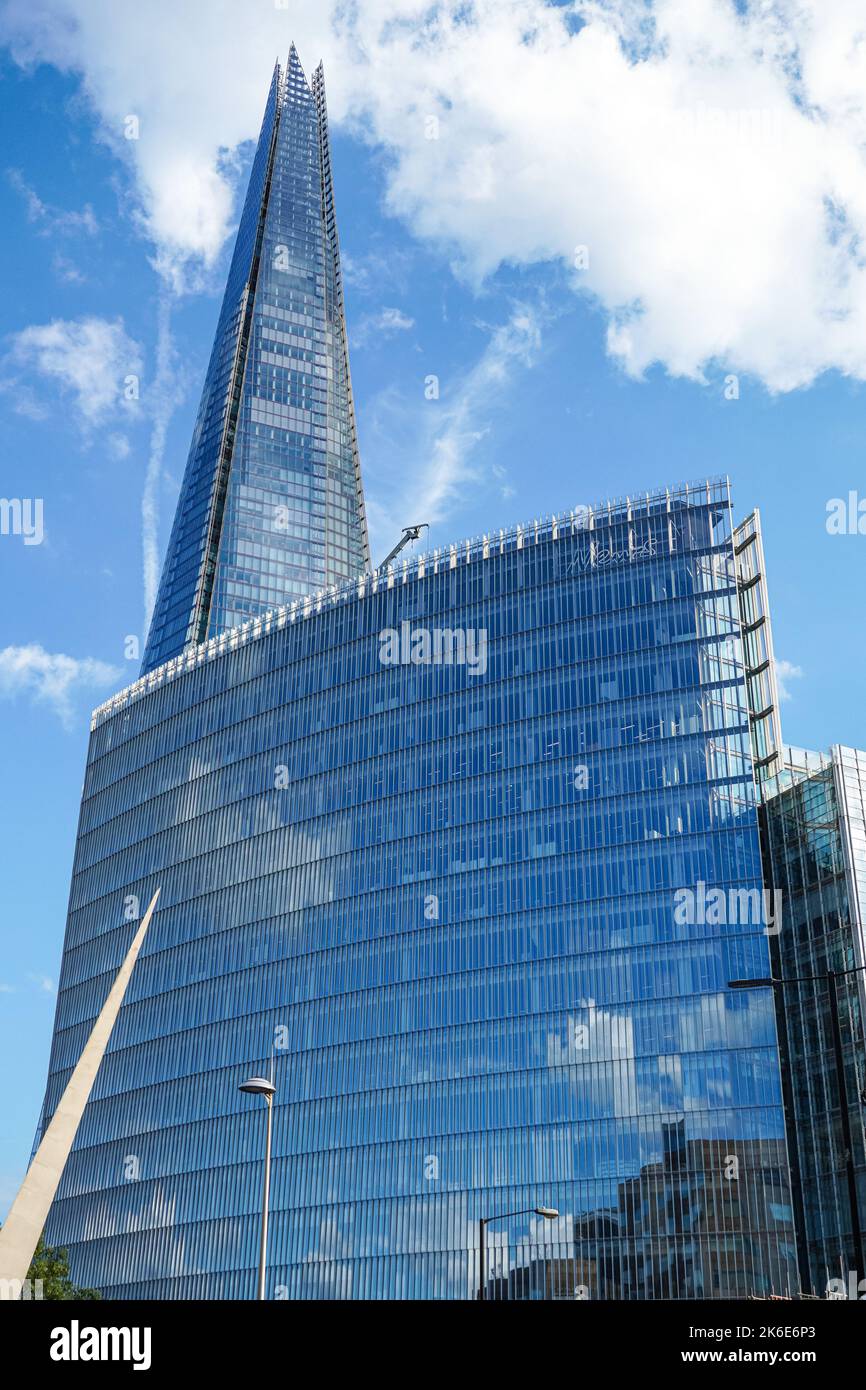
(272, 503)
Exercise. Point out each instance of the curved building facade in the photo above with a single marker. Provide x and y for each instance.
(457, 850)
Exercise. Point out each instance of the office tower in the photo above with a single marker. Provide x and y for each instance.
(271, 506)
(459, 849)
(814, 833)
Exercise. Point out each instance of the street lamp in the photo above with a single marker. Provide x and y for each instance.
(261, 1086)
(549, 1214)
(831, 977)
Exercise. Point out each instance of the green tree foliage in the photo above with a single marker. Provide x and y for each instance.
(51, 1265)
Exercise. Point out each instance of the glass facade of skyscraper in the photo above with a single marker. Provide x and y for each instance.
(271, 505)
(814, 821)
(463, 847)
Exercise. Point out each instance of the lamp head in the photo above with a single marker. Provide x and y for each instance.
(258, 1086)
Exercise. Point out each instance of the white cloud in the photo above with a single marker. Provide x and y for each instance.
(67, 271)
(91, 359)
(393, 321)
(49, 218)
(384, 324)
(42, 982)
(710, 157)
(23, 399)
(786, 671)
(442, 433)
(99, 368)
(506, 490)
(368, 273)
(51, 678)
(194, 76)
(118, 446)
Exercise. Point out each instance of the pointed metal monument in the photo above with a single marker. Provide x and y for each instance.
(23, 1226)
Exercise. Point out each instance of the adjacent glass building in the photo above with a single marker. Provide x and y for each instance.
(814, 822)
(466, 850)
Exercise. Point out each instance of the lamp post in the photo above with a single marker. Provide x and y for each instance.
(260, 1086)
(831, 977)
(549, 1214)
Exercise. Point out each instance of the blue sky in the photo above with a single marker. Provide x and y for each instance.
(558, 385)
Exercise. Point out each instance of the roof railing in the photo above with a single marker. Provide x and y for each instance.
(449, 556)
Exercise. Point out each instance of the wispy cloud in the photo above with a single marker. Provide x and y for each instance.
(118, 446)
(442, 434)
(365, 274)
(505, 488)
(42, 982)
(96, 365)
(384, 324)
(52, 678)
(23, 399)
(98, 368)
(786, 671)
(51, 219)
(66, 270)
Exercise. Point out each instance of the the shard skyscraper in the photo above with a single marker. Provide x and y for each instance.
(272, 505)
(435, 843)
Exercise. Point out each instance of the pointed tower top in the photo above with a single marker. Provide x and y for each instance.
(293, 67)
